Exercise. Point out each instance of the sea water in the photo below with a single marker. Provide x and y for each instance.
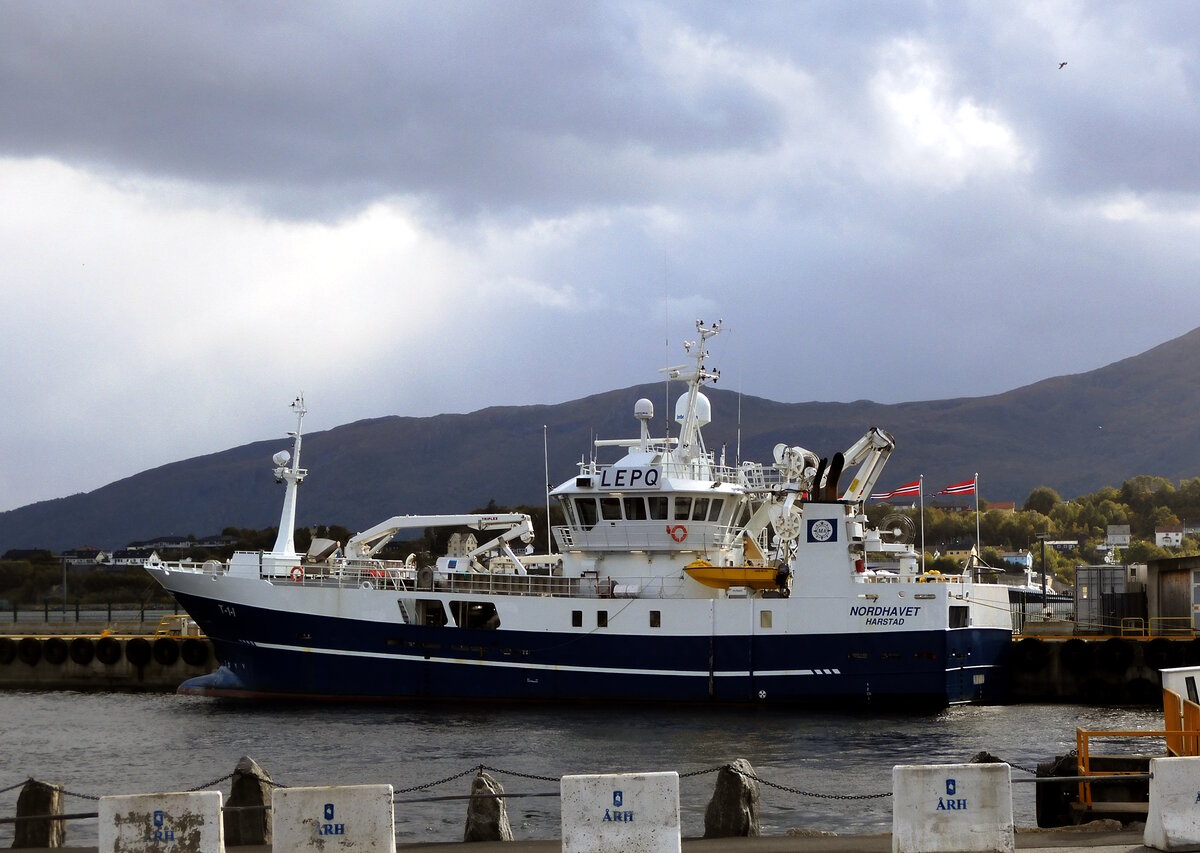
(825, 771)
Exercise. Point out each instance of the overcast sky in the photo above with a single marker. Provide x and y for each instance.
(414, 208)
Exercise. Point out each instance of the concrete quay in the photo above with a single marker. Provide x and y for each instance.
(1034, 841)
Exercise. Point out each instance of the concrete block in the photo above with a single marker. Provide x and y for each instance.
(621, 813)
(337, 817)
(152, 823)
(952, 808)
(1173, 820)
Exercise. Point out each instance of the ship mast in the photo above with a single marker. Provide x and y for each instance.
(285, 542)
(691, 444)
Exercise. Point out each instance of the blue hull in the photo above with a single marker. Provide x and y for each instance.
(279, 654)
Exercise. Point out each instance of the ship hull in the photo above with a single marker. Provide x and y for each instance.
(268, 651)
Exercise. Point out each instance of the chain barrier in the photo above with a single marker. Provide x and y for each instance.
(429, 785)
(521, 775)
(210, 784)
(425, 786)
(692, 773)
(813, 794)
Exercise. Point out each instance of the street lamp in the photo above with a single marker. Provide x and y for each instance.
(1043, 537)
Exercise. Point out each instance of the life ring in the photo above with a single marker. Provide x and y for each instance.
(678, 532)
(297, 574)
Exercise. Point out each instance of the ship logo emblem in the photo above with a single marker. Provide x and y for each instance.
(821, 530)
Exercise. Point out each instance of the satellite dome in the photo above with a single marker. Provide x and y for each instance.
(281, 458)
(643, 410)
(703, 410)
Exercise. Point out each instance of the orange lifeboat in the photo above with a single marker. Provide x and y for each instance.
(723, 577)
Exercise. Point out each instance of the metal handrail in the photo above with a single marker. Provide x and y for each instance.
(1083, 738)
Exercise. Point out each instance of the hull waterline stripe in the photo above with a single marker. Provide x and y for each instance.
(775, 673)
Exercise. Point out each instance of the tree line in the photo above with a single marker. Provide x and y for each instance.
(1144, 502)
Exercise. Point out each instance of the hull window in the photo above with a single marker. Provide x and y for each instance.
(601, 618)
(655, 618)
(960, 617)
(476, 615)
(764, 619)
(431, 613)
(576, 618)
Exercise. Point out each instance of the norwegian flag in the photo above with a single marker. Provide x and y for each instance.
(965, 488)
(913, 488)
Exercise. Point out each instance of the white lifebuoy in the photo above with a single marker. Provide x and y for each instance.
(678, 532)
(297, 574)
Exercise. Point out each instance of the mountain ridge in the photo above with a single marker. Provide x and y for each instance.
(1075, 433)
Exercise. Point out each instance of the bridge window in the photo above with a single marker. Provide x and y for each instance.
(568, 510)
(658, 507)
(587, 512)
(635, 509)
(700, 509)
(610, 509)
(715, 511)
(683, 509)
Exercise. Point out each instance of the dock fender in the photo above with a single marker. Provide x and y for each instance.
(1115, 655)
(1029, 655)
(1076, 655)
(8, 650)
(138, 651)
(1161, 653)
(195, 652)
(108, 650)
(82, 651)
(166, 651)
(29, 650)
(55, 650)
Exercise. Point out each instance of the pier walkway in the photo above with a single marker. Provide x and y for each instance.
(1033, 841)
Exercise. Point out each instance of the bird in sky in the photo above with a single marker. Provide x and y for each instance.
(1061, 66)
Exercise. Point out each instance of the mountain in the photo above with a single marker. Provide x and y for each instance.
(1075, 433)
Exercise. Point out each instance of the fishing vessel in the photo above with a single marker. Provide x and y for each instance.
(678, 577)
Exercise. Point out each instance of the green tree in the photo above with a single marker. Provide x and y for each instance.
(1043, 499)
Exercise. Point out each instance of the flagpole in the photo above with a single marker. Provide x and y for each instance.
(978, 543)
(921, 494)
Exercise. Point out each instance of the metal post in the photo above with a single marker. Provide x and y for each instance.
(546, 459)
(1043, 538)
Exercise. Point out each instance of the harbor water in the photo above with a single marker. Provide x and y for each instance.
(119, 743)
